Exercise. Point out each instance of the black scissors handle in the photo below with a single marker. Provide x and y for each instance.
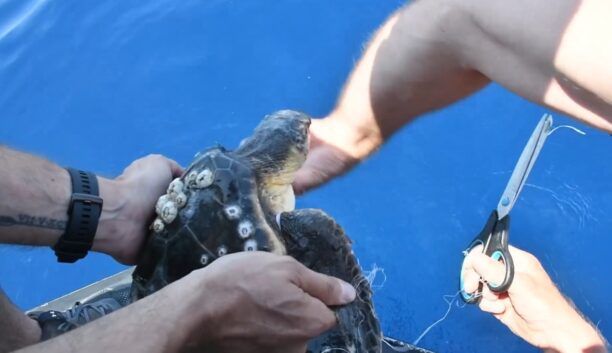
(498, 250)
(494, 240)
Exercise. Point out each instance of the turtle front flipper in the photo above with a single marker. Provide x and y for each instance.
(317, 241)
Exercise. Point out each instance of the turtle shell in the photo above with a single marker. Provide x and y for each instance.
(212, 210)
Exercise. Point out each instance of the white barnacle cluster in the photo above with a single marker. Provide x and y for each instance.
(176, 197)
(201, 179)
(168, 205)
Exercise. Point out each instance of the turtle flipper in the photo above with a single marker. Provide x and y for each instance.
(316, 240)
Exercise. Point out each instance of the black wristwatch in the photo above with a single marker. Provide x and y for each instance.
(83, 215)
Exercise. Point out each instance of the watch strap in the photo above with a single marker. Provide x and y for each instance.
(83, 215)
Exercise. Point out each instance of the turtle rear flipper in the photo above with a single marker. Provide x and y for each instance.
(317, 241)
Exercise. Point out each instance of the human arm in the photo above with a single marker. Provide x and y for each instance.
(432, 53)
(35, 193)
(247, 302)
(17, 330)
(533, 308)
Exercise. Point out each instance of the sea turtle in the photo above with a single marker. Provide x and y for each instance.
(242, 200)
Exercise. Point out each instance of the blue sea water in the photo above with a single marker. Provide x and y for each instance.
(97, 84)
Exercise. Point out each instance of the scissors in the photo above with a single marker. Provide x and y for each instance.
(494, 236)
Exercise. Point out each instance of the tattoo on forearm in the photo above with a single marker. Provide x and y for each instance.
(32, 221)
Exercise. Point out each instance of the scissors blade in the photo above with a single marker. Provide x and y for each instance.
(524, 165)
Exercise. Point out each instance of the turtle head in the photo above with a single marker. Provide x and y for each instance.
(276, 150)
(279, 144)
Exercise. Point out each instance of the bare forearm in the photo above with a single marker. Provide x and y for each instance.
(16, 329)
(556, 56)
(408, 69)
(574, 333)
(181, 317)
(157, 323)
(432, 53)
(34, 197)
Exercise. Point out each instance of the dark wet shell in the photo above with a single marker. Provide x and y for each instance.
(209, 225)
(316, 240)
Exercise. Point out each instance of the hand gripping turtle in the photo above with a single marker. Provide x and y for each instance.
(242, 200)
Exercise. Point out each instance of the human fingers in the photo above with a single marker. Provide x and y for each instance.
(316, 318)
(524, 260)
(529, 272)
(310, 175)
(151, 166)
(330, 290)
(161, 161)
(175, 168)
(470, 280)
(488, 294)
(325, 159)
(494, 306)
(490, 270)
(489, 301)
(322, 165)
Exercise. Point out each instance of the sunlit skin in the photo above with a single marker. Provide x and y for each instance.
(432, 53)
(533, 308)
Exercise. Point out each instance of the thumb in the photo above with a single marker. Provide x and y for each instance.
(329, 290)
(308, 177)
(322, 164)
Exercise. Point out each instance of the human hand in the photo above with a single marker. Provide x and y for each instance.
(129, 205)
(336, 145)
(533, 308)
(255, 302)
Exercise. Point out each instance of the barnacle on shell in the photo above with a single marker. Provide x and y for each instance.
(191, 178)
(180, 199)
(176, 187)
(169, 212)
(160, 203)
(204, 179)
(158, 225)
